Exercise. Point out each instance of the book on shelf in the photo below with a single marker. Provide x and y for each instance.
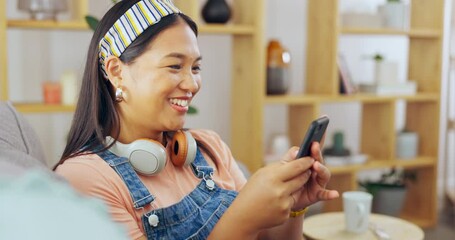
(346, 84)
(404, 88)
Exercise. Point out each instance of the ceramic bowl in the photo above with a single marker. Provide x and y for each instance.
(43, 9)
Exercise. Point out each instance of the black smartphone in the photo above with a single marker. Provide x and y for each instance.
(314, 133)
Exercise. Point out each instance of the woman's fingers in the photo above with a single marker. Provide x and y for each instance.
(322, 173)
(297, 182)
(290, 155)
(328, 194)
(316, 152)
(289, 170)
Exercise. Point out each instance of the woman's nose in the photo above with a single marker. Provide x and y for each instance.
(191, 82)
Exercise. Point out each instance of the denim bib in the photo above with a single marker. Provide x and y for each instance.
(194, 217)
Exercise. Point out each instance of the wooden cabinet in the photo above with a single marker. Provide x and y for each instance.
(78, 10)
(378, 135)
(246, 30)
(248, 74)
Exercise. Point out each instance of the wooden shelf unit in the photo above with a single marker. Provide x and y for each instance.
(78, 12)
(378, 136)
(248, 74)
(246, 30)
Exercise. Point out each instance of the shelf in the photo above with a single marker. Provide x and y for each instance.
(378, 164)
(43, 108)
(58, 25)
(81, 25)
(302, 99)
(226, 29)
(414, 33)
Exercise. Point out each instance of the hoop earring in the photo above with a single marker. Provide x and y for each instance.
(118, 94)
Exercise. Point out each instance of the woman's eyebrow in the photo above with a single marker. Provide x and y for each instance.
(180, 56)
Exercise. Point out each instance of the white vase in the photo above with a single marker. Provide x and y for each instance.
(395, 15)
(386, 72)
(407, 145)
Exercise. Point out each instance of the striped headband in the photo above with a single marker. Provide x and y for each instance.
(130, 25)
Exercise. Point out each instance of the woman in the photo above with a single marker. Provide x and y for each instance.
(127, 147)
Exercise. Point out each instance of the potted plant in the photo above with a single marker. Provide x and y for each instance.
(394, 14)
(389, 190)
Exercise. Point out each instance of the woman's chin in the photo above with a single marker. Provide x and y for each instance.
(176, 125)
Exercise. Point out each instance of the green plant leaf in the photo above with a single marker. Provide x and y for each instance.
(378, 57)
(92, 21)
(192, 110)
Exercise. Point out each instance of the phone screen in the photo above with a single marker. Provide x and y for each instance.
(314, 133)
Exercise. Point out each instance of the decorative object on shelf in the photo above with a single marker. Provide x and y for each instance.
(345, 160)
(385, 81)
(216, 11)
(52, 92)
(278, 144)
(278, 62)
(68, 82)
(93, 21)
(338, 148)
(407, 144)
(388, 89)
(394, 14)
(43, 9)
(390, 190)
(347, 85)
(361, 20)
(385, 71)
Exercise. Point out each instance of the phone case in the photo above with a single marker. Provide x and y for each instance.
(314, 133)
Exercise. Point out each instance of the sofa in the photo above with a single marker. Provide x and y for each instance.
(35, 203)
(20, 148)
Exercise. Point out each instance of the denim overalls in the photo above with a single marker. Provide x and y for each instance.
(194, 217)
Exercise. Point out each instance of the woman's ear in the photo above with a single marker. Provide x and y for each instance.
(113, 66)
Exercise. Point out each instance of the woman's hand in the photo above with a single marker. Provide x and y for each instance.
(315, 189)
(266, 200)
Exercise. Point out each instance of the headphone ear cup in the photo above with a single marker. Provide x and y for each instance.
(147, 156)
(183, 148)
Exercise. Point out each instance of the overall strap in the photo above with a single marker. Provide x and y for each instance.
(139, 193)
(200, 166)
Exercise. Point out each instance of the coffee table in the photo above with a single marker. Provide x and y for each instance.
(331, 226)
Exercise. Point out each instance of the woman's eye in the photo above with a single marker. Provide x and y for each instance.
(197, 68)
(177, 67)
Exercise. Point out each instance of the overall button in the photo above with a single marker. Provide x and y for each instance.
(210, 184)
(153, 220)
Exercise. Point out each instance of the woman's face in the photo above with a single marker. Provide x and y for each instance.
(160, 84)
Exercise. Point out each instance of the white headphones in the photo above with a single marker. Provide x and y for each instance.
(148, 157)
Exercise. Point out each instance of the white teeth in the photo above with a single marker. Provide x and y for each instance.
(180, 102)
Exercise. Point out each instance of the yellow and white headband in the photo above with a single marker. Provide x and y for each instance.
(130, 25)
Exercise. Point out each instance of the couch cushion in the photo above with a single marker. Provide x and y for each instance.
(17, 163)
(17, 134)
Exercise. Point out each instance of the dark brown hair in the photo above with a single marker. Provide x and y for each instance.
(95, 116)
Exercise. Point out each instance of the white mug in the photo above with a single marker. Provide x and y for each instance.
(357, 208)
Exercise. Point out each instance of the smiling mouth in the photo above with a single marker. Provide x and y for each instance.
(179, 102)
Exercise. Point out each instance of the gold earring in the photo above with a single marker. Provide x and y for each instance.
(118, 94)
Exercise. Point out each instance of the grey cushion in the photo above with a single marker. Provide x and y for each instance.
(17, 134)
(16, 163)
(20, 148)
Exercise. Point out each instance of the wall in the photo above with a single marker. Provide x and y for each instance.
(286, 21)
